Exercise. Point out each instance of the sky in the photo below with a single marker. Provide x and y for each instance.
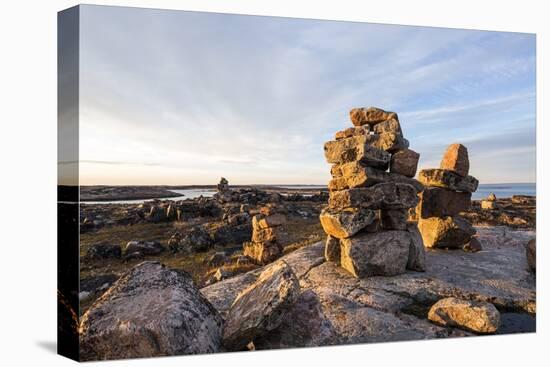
(176, 98)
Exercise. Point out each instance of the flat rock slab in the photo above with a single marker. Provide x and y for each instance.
(342, 309)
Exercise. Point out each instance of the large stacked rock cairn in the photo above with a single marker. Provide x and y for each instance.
(266, 230)
(366, 218)
(448, 191)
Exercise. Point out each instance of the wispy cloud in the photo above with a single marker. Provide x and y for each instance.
(193, 96)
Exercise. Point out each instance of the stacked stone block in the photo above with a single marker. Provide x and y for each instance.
(448, 191)
(266, 229)
(371, 191)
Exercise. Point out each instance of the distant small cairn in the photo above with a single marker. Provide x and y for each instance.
(367, 212)
(448, 192)
(490, 203)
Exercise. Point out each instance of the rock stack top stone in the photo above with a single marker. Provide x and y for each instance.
(456, 159)
(366, 217)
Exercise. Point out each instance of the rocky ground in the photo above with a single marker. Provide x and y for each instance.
(335, 308)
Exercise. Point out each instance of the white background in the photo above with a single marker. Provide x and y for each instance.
(28, 181)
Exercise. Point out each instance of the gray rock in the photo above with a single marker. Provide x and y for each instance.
(446, 232)
(150, 311)
(217, 259)
(143, 247)
(448, 180)
(477, 317)
(332, 249)
(404, 162)
(379, 253)
(345, 223)
(394, 218)
(261, 307)
(417, 253)
(387, 195)
(104, 251)
(438, 202)
(531, 254)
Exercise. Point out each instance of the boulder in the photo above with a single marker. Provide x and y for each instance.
(531, 254)
(143, 248)
(156, 214)
(369, 116)
(357, 148)
(387, 195)
(196, 239)
(472, 246)
(332, 249)
(262, 252)
(357, 174)
(438, 202)
(394, 218)
(352, 131)
(379, 253)
(150, 311)
(404, 162)
(448, 180)
(456, 160)
(389, 126)
(104, 251)
(261, 308)
(447, 232)
(477, 317)
(217, 259)
(417, 253)
(345, 223)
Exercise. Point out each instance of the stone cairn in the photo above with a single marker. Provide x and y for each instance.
(366, 217)
(490, 203)
(448, 191)
(266, 229)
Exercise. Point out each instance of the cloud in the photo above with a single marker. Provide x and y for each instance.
(254, 98)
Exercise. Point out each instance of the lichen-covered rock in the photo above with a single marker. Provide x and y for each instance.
(438, 202)
(447, 232)
(332, 249)
(261, 307)
(477, 317)
(150, 311)
(448, 180)
(379, 253)
(104, 251)
(143, 248)
(456, 159)
(345, 223)
(356, 174)
(352, 131)
(531, 253)
(357, 149)
(404, 162)
(417, 253)
(369, 116)
(389, 126)
(264, 221)
(387, 195)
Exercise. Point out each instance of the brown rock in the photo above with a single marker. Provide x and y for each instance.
(387, 195)
(473, 246)
(456, 160)
(404, 162)
(477, 317)
(379, 253)
(389, 126)
(438, 202)
(352, 131)
(492, 197)
(448, 180)
(371, 116)
(390, 142)
(357, 148)
(357, 174)
(332, 249)
(394, 218)
(337, 184)
(531, 253)
(417, 253)
(345, 223)
(262, 221)
(447, 232)
(262, 252)
(489, 205)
